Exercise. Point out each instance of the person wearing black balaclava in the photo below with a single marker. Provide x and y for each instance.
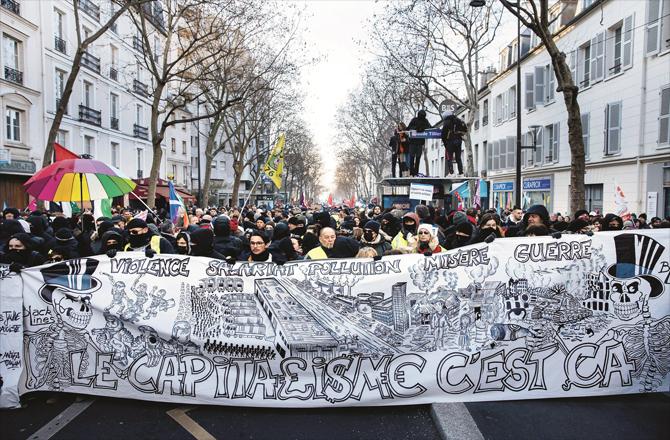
(140, 238)
(183, 243)
(8, 228)
(461, 235)
(20, 253)
(83, 233)
(419, 124)
(38, 226)
(410, 222)
(202, 244)
(65, 240)
(96, 238)
(112, 242)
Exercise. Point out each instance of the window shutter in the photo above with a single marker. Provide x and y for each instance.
(548, 144)
(573, 66)
(539, 143)
(503, 153)
(530, 88)
(627, 42)
(600, 56)
(539, 85)
(550, 83)
(653, 27)
(511, 152)
(585, 133)
(664, 119)
(594, 61)
(557, 141)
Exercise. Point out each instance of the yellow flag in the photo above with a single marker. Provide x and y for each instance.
(275, 163)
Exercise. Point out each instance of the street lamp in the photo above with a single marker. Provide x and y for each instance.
(517, 180)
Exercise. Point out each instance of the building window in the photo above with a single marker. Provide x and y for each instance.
(664, 118)
(185, 175)
(88, 94)
(586, 119)
(183, 147)
(174, 172)
(502, 151)
(88, 145)
(654, 22)
(496, 156)
(183, 125)
(584, 66)
(593, 197)
(61, 137)
(511, 152)
(511, 99)
(115, 154)
(174, 145)
(12, 49)
(59, 86)
(59, 24)
(620, 46)
(13, 126)
(613, 128)
(539, 146)
(139, 116)
(499, 109)
(551, 142)
(487, 156)
(549, 87)
(140, 163)
(485, 112)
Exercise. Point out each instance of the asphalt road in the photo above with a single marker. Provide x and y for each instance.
(636, 417)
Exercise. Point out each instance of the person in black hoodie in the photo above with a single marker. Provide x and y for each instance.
(611, 222)
(65, 244)
(225, 243)
(20, 253)
(536, 217)
(38, 227)
(112, 242)
(8, 228)
(96, 242)
(202, 244)
(183, 243)
(420, 124)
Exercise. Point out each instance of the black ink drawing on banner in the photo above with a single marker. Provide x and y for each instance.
(5, 272)
(629, 285)
(130, 309)
(68, 288)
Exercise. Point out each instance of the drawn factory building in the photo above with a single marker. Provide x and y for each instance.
(598, 289)
(297, 332)
(246, 316)
(399, 301)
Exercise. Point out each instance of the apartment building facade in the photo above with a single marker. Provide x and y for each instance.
(619, 54)
(108, 115)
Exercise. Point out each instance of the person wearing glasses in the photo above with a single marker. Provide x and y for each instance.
(140, 238)
(425, 241)
(259, 250)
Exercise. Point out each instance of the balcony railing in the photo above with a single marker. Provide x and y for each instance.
(137, 44)
(60, 45)
(89, 115)
(154, 13)
(140, 88)
(114, 123)
(13, 75)
(89, 8)
(113, 74)
(140, 132)
(11, 6)
(90, 62)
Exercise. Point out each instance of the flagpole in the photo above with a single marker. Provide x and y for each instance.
(260, 174)
(141, 201)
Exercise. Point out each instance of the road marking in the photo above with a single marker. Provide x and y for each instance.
(454, 422)
(61, 420)
(179, 415)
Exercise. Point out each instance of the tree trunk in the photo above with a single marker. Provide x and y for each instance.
(425, 159)
(60, 111)
(575, 140)
(207, 184)
(156, 139)
(237, 175)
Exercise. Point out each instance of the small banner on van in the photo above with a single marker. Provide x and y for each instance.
(518, 318)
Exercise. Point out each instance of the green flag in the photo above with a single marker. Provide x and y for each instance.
(102, 208)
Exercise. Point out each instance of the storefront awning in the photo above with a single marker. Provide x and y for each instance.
(162, 190)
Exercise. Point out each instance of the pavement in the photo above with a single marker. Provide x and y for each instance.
(69, 416)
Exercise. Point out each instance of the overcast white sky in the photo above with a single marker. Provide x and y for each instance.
(333, 27)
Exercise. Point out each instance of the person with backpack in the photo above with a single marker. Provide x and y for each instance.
(419, 124)
(453, 131)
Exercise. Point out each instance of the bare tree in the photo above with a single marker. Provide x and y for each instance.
(438, 45)
(302, 162)
(84, 41)
(189, 30)
(535, 15)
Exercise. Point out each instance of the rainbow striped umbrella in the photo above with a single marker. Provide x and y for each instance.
(78, 180)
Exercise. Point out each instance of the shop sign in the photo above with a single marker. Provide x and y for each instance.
(537, 184)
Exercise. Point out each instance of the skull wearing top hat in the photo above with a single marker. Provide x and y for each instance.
(631, 279)
(68, 287)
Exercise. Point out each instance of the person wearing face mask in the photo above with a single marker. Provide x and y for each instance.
(425, 241)
(111, 242)
(20, 253)
(460, 235)
(202, 244)
(372, 238)
(611, 222)
(408, 230)
(140, 238)
(183, 243)
(489, 224)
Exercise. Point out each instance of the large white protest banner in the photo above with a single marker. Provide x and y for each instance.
(11, 337)
(518, 318)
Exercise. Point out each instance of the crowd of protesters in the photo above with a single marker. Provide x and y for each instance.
(279, 235)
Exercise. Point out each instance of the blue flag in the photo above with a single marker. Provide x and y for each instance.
(175, 203)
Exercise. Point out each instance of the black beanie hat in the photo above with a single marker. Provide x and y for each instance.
(136, 223)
